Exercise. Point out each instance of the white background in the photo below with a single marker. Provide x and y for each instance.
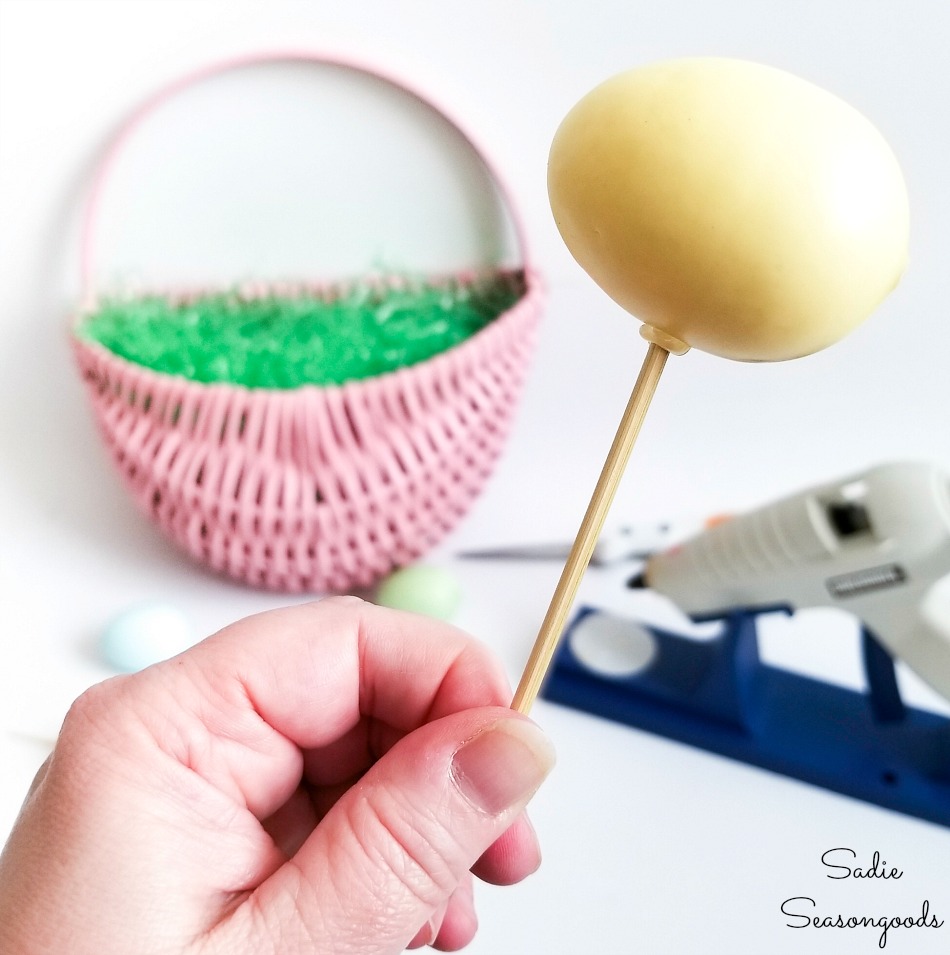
(648, 846)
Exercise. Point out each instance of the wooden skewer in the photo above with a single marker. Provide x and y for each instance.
(591, 526)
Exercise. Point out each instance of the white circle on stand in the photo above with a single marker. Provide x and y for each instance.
(612, 646)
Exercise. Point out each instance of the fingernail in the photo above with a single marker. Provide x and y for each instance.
(503, 765)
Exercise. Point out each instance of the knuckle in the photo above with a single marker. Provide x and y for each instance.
(91, 711)
(85, 746)
(104, 723)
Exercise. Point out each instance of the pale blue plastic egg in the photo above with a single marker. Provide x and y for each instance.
(143, 635)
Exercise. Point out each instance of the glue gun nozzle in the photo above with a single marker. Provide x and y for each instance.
(638, 581)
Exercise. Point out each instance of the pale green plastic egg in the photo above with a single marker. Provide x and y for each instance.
(421, 588)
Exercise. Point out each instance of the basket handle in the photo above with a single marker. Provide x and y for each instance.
(90, 219)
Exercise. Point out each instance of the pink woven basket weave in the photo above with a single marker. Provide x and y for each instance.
(317, 488)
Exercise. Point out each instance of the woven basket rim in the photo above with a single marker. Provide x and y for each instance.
(529, 301)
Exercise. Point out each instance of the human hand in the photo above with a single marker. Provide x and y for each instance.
(324, 778)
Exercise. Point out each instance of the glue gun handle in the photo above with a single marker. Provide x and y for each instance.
(921, 638)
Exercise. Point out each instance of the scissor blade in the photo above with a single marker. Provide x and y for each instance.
(615, 545)
(521, 552)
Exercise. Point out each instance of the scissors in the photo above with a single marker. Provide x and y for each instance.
(626, 542)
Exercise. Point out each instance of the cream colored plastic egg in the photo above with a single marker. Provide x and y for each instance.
(731, 205)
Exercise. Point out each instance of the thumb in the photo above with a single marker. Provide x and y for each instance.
(394, 848)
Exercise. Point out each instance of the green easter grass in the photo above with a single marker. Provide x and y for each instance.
(285, 341)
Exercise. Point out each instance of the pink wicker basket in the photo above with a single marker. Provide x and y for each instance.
(319, 489)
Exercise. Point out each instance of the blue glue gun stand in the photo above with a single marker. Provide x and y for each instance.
(717, 695)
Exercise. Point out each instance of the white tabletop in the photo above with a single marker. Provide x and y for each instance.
(648, 845)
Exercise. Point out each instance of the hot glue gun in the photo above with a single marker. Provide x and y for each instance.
(876, 544)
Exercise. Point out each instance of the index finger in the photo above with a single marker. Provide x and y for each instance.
(314, 670)
(243, 707)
